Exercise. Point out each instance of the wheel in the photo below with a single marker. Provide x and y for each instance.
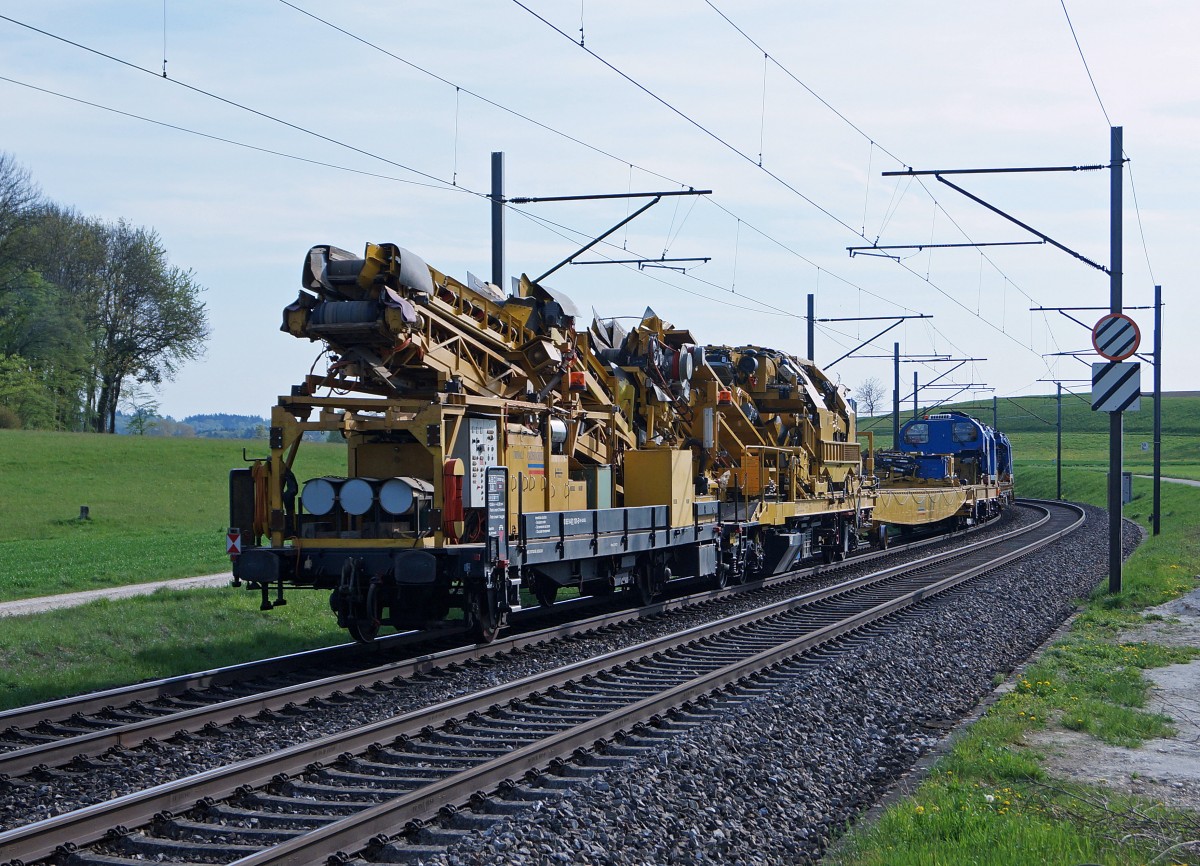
(848, 542)
(483, 622)
(720, 580)
(363, 630)
(545, 590)
(357, 615)
(643, 585)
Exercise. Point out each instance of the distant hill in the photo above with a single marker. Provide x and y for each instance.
(1036, 414)
(223, 426)
(215, 426)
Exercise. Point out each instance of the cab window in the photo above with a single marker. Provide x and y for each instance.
(965, 432)
(917, 434)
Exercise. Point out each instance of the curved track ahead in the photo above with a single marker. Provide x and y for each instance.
(487, 738)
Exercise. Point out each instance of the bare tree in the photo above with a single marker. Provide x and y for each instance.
(143, 410)
(18, 194)
(870, 395)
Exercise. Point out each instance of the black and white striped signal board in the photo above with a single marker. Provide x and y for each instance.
(1116, 387)
(1116, 337)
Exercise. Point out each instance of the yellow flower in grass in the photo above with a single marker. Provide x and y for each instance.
(920, 810)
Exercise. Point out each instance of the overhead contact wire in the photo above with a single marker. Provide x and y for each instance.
(230, 141)
(551, 226)
(861, 132)
(500, 107)
(693, 122)
(232, 103)
(568, 137)
(1086, 68)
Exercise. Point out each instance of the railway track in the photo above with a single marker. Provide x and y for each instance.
(385, 782)
(52, 734)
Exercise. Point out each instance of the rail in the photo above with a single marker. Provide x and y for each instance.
(64, 714)
(40, 840)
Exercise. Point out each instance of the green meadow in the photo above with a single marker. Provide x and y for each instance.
(158, 507)
(158, 510)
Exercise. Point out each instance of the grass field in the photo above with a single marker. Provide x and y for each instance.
(159, 507)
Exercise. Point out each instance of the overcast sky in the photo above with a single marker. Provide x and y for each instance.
(662, 96)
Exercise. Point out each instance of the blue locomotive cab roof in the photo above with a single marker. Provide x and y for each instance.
(946, 433)
(952, 433)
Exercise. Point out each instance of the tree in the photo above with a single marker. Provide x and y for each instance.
(41, 339)
(18, 195)
(85, 306)
(38, 326)
(143, 409)
(149, 318)
(870, 395)
(22, 394)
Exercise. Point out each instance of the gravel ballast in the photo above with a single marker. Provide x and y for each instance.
(783, 774)
(769, 783)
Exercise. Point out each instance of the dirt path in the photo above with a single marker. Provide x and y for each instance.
(74, 599)
(1186, 481)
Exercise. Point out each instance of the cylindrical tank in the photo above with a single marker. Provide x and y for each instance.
(320, 495)
(398, 496)
(357, 496)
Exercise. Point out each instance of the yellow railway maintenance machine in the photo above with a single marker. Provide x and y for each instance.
(491, 446)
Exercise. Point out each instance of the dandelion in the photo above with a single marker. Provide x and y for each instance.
(920, 810)
(989, 798)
